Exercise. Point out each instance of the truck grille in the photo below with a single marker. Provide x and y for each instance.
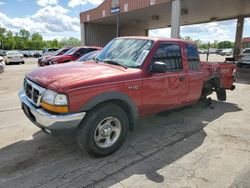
(33, 92)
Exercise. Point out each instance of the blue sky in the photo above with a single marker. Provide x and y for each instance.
(60, 19)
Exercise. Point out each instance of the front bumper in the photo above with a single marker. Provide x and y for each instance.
(49, 122)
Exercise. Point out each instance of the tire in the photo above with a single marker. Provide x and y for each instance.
(92, 134)
(221, 94)
(23, 62)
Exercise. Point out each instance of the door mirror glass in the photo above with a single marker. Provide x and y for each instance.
(159, 67)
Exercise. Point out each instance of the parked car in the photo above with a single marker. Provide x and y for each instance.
(25, 53)
(13, 57)
(218, 51)
(42, 61)
(37, 54)
(73, 54)
(49, 51)
(134, 77)
(89, 56)
(244, 58)
(227, 52)
(2, 65)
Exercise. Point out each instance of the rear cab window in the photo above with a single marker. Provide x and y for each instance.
(170, 54)
(193, 57)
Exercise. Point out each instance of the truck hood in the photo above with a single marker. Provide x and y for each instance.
(77, 74)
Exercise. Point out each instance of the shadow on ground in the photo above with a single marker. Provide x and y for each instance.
(157, 141)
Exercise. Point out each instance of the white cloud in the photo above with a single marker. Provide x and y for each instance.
(2, 3)
(73, 3)
(160, 32)
(44, 3)
(48, 21)
(224, 30)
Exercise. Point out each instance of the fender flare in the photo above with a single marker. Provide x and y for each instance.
(108, 96)
(214, 76)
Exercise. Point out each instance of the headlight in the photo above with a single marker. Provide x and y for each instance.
(49, 96)
(55, 102)
(61, 99)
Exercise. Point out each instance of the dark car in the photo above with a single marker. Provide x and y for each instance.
(89, 56)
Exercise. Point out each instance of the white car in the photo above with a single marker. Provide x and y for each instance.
(13, 57)
(244, 57)
(227, 52)
(2, 65)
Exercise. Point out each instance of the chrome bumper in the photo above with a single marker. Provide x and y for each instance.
(49, 122)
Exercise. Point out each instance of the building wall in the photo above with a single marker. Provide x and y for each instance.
(97, 13)
(132, 31)
(97, 34)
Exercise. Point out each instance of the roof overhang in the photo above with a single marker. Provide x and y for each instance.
(159, 15)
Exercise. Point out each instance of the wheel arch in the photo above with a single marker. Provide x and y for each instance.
(118, 98)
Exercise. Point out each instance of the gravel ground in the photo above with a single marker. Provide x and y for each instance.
(188, 147)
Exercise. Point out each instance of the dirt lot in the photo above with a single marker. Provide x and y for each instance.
(189, 147)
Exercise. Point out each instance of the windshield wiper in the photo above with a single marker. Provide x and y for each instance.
(96, 59)
(115, 63)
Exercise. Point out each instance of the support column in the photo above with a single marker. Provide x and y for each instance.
(238, 37)
(83, 34)
(117, 25)
(175, 18)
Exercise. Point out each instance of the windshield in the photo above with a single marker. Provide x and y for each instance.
(60, 52)
(71, 51)
(125, 51)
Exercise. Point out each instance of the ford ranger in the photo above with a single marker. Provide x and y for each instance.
(131, 77)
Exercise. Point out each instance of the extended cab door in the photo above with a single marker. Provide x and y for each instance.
(195, 75)
(165, 90)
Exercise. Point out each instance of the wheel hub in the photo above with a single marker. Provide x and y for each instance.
(106, 131)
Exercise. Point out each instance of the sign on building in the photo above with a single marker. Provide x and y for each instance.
(115, 6)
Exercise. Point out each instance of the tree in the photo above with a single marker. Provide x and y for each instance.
(9, 41)
(37, 42)
(2, 36)
(225, 44)
(70, 42)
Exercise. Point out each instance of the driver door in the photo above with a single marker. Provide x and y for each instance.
(162, 91)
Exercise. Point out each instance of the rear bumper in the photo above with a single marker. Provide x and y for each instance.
(49, 122)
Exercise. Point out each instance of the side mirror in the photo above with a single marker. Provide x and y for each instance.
(159, 67)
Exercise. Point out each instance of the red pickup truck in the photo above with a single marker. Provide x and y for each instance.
(131, 77)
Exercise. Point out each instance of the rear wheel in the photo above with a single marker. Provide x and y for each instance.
(104, 130)
(221, 94)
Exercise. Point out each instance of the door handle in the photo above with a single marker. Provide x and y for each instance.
(182, 78)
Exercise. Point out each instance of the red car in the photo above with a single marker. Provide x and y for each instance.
(134, 77)
(72, 55)
(42, 61)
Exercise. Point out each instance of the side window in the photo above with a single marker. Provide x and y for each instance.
(81, 51)
(170, 54)
(193, 57)
(91, 50)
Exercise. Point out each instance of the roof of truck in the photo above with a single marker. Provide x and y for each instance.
(160, 39)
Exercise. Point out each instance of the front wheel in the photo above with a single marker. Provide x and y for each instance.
(104, 130)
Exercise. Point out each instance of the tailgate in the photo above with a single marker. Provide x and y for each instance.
(225, 72)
